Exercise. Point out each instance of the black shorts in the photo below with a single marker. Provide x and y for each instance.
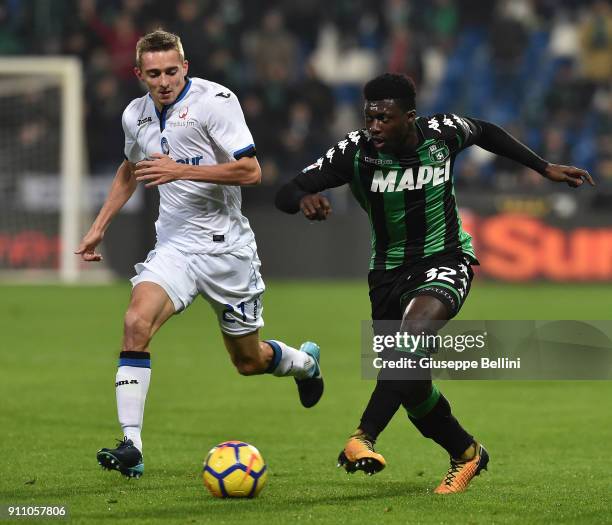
(447, 277)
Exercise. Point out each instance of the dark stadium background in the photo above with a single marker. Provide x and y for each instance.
(540, 68)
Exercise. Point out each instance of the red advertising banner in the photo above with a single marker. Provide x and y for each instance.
(510, 247)
(29, 249)
(516, 247)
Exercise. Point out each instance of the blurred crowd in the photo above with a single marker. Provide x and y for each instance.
(540, 68)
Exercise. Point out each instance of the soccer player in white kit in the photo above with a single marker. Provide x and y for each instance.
(188, 137)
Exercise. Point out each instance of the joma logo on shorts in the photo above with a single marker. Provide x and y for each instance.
(435, 175)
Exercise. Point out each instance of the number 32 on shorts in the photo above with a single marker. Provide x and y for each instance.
(443, 273)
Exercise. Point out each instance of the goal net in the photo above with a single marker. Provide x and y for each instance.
(41, 168)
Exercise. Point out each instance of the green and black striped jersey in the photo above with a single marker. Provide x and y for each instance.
(410, 199)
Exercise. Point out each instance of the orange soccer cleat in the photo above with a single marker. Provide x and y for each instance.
(359, 454)
(461, 472)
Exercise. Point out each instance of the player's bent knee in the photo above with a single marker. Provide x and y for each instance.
(137, 328)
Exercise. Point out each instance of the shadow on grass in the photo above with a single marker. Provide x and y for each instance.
(107, 485)
(371, 491)
(313, 501)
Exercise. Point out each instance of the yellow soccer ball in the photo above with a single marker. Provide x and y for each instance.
(234, 469)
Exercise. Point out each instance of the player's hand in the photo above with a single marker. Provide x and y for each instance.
(315, 207)
(574, 177)
(87, 248)
(161, 170)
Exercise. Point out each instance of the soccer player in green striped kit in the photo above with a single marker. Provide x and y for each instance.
(400, 170)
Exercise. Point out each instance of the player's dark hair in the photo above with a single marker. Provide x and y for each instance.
(158, 40)
(400, 88)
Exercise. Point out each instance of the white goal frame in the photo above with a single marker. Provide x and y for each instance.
(69, 74)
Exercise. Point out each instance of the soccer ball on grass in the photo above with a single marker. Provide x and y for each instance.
(234, 469)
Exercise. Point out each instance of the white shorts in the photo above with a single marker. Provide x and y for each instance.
(230, 282)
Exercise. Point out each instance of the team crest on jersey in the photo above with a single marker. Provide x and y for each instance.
(438, 152)
(165, 146)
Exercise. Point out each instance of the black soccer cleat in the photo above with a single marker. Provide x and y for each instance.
(311, 388)
(126, 458)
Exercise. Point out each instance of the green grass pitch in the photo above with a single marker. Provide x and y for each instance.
(549, 441)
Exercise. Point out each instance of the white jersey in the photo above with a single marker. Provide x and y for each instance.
(204, 126)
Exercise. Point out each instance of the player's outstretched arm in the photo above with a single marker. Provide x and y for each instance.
(574, 177)
(122, 188)
(161, 169)
(497, 140)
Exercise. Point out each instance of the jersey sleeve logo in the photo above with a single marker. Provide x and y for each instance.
(448, 122)
(223, 94)
(314, 165)
(354, 137)
(342, 145)
(433, 123)
(464, 125)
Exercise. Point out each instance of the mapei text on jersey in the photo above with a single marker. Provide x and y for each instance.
(389, 182)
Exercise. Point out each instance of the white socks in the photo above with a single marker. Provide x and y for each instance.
(134, 375)
(131, 385)
(288, 361)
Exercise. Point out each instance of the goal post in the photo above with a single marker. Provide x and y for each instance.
(61, 79)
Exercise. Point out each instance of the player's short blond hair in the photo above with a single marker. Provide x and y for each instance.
(158, 40)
